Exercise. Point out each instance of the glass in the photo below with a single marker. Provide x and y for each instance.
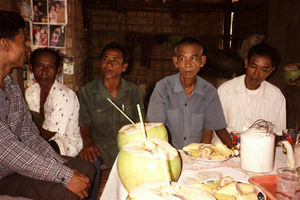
(288, 184)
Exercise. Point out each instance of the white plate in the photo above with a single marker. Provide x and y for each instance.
(201, 161)
(260, 194)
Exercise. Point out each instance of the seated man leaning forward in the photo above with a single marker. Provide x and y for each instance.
(249, 97)
(57, 104)
(29, 167)
(99, 120)
(187, 104)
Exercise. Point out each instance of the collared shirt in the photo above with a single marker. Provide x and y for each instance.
(22, 149)
(97, 113)
(242, 107)
(185, 117)
(61, 111)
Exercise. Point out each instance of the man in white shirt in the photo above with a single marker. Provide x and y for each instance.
(249, 97)
(56, 104)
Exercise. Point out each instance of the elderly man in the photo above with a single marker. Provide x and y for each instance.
(56, 103)
(29, 167)
(249, 97)
(187, 104)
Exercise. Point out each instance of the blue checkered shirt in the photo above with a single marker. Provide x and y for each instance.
(22, 149)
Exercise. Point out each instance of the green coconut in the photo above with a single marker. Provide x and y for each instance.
(161, 190)
(140, 162)
(130, 133)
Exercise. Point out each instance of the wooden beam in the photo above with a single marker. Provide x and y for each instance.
(155, 5)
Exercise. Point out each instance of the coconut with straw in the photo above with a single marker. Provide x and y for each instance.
(146, 160)
(133, 132)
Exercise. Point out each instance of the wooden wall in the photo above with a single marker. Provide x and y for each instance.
(280, 22)
(157, 25)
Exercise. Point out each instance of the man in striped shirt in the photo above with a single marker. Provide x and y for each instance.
(29, 167)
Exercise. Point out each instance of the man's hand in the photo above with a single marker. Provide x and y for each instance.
(90, 150)
(79, 184)
(90, 153)
(225, 137)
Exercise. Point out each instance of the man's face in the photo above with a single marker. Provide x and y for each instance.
(112, 64)
(189, 60)
(44, 69)
(258, 68)
(16, 47)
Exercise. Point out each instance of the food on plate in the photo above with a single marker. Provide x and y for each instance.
(130, 133)
(163, 191)
(140, 161)
(247, 188)
(224, 149)
(208, 151)
(249, 196)
(224, 197)
(228, 189)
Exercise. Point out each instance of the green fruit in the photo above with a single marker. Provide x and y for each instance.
(140, 162)
(130, 133)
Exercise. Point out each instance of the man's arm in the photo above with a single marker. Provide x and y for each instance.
(89, 150)
(206, 136)
(224, 137)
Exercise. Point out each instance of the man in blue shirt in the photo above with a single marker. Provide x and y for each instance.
(188, 105)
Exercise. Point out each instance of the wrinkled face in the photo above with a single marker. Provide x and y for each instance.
(258, 68)
(16, 49)
(44, 69)
(112, 64)
(189, 60)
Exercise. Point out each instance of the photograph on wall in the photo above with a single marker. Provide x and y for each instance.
(39, 10)
(57, 11)
(24, 9)
(57, 36)
(40, 35)
(68, 65)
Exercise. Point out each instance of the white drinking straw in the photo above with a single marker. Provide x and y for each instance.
(121, 111)
(141, 119)
(163, 162)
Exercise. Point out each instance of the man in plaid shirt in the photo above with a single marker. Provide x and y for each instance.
(29, 167)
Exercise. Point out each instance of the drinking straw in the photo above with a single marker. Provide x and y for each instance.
(141, 119)
(121, 111)
(163, 162)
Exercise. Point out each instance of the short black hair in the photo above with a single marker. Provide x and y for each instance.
(38, 52)
(117, 46)
(264, 49)
(10, 23)
(189, 41)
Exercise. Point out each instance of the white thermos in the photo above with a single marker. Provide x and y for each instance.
(257, 150)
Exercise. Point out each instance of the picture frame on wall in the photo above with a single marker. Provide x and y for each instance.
(57, 36)
(39, 11)
(57, 10)
(40, 35)
(25, 9)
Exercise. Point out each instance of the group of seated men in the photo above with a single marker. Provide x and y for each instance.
(60, 154)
